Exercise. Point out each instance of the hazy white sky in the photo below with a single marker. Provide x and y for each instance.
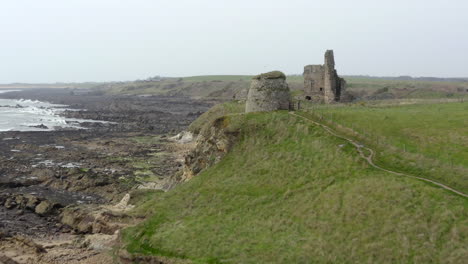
(103, 40)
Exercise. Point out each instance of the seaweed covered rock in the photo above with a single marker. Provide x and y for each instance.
(268, 92)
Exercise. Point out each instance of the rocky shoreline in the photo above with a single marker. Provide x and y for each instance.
(56, 187)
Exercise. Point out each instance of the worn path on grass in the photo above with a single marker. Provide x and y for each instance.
(369, 160)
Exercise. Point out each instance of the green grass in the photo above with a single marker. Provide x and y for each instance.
(207, 118)
(140, 196)
(288, 193)
(295, 79)
(228, 86)
(399, 89)
(290, 78)
(429, 140)
(218, 78)
(209, 86)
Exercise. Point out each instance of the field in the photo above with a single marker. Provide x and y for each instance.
(227, 87)
(291, 193)
(378, 89)
(224, 87)
(421, 139)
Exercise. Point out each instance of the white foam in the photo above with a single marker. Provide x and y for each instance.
(8, 91)
(32, 115)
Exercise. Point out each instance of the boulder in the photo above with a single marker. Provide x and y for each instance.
(10, 203)
(7, 260)
(32, 201)
(44, 208)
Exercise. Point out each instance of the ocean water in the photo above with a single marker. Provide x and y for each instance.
(22, 115)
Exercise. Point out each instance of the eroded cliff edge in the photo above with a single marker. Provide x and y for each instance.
(212, 144)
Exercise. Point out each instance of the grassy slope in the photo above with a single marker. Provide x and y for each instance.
(218, 78)
(226, 86)
(219, 110)
(422, 139)
(288, 193)
(214, 86)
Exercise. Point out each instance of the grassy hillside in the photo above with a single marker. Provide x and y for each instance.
(219, 110)
(215, 86)
(421, 139)
(228, 86)
(290, 193)
(209, 78)
(369, 88)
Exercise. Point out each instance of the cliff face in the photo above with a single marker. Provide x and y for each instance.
(212, 144)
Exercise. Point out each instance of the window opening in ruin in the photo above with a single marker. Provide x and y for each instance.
(321, 89)
(308, 98)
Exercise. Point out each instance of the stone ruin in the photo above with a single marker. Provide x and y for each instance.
(322, 83)
(268, 92)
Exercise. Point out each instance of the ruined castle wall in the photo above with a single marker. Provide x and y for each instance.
(321, 82)
(314, 81)
(330, 78)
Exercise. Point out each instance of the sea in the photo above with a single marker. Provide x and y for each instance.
(33, 115)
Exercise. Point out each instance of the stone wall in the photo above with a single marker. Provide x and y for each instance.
(314, 81)
(330, 78)
(268, 92)
(321, 82)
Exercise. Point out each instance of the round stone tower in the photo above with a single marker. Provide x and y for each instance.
(268, 92)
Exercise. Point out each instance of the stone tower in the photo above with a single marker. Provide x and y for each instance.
(322, 83)
(268, 92)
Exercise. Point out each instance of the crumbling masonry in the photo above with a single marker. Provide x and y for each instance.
(322, 83)
(268, 92)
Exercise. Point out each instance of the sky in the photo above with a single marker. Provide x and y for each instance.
(117, 40)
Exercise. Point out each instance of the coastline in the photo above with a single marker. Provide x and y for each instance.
(57, 188)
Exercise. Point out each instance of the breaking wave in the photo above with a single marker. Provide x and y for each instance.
(34, 115)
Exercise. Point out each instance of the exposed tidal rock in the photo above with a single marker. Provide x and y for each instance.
(89, 220)
(32, 202)
(19, 249)
(7, 260)
(29, 202)
(42, 126)
(44, 208)
(182, 137)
